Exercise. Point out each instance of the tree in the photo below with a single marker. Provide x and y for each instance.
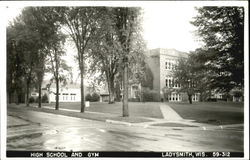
(15, 70)
(58, 66)
(42, 22)
(82, 25)
(53, 39)
(25, 51)
(193, 76)
(202, 76)
(106, 52)
(222, 31)
(126, 22)
(147, 78)
(185, 76)
(36, 34)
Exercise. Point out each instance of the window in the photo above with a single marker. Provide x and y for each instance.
(175, 83)
(166, 65)
(166, 82)
(72, 96)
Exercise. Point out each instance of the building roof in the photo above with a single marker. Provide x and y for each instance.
(165, 51)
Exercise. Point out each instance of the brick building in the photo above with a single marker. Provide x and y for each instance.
(162, 62)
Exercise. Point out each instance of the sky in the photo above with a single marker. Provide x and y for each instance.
(169, 27)
(164, 26)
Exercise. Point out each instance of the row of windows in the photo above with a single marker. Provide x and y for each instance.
(66, 96)
(177, 97)
(174, 97)
(170, 65)
(170, 82)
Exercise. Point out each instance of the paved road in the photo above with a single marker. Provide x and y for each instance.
(44, 131)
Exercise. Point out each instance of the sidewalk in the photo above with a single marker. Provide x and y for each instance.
(169, 114)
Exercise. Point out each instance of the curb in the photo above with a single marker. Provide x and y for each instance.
(118, 122)
(18, 125)
(221, 127)
(14, 137)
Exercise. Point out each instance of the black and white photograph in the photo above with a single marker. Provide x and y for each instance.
(164, 79)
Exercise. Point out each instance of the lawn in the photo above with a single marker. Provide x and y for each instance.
(217, 113)
(148, 109)
(211, 112)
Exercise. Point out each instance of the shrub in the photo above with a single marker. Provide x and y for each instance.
(134, 99)
(31, 99)
(147, 97)
(95, 97)
(88, 97)
(45, 98)
(150, 96)
(92, 98)
(212, 100)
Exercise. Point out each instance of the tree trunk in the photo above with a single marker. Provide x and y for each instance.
(82, 88)
(57, 94)
(16, 97)
(57, 80)
(125, 91)
(117, 91)
(190, 98)
(201, 97)
(27, 93)
(141, 96)
(111, 89)
(39, 95)
(40, 75)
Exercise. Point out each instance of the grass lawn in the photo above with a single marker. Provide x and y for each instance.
(211, 112)
(148, 109)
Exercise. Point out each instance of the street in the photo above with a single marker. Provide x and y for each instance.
(46, 131)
